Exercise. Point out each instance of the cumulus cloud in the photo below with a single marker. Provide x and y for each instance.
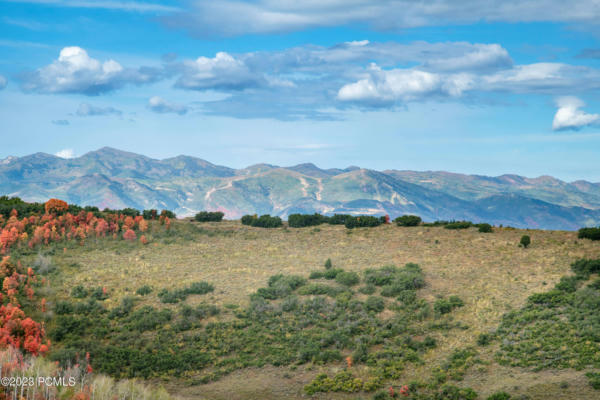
(3, 82)
(65, 153)
(88, 110)
(234, 17)
(222, 72)
(76, 72)
(387, 87)
(569, 115)
(60, 122)
(160, 105)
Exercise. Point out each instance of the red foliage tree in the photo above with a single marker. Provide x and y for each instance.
(129, 235)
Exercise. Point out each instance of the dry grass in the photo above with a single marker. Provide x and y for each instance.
(488, 271)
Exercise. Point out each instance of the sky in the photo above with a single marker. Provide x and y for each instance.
(469, 86)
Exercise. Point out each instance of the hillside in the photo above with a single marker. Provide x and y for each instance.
(116, 179)
(253, 347)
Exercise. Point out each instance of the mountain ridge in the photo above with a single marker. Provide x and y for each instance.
(109, 177)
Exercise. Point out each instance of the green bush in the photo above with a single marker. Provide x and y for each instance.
(594, 379)
(209, 216)
(328, 264)
(374, 303)
(347, 278)
(363, 221)
(458, 225)
(316, 275)
(249, 219)
(525, 241)
(150, 214)
(585, 267)
(144, 290)
(332, 273)
(444, 306)
(339, 219)
(408, 220)
(367, 289)
(264, 221)
(499, 396)
(302, 220)
(484, 339)
(79, 292)
(589, 233)
(177, 295)
(166, 213)
(485, 228)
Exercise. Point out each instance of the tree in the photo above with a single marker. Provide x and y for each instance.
(525, 241)
(408, 220)
(56, 206)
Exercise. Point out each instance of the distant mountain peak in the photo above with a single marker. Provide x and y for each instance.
(8, 160)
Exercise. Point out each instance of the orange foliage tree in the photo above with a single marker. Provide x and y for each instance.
(56, 206)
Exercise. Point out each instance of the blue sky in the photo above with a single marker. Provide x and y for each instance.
(464, 86)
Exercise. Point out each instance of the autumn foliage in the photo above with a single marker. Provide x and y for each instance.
(56, 206)
(16, 329)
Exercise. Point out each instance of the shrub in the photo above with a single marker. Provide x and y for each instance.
(339, 219)
(585, 267)
(525, 241)
(144, 290)
(249, 219)
(209, 216)
(347, 278)
(199, 288)
(374, 303)
(165, 213)
(328, 264)
(264, 221)
(362, 221)
(175, 296)
(332, 273)
(484, 339)
(458, 225)
(594, 379)
(280, 286)
(408, 220)
(589, 233)
(79, 292)
(485, 228)
(302, 220)
(499, 396)
(444, 306)
(150, 214)
(316, 275)
(367, 289)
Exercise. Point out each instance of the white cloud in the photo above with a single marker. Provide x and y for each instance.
(160, 105)
(569, 116)
(3, 82)
(65, 153)
(386, 87)
(76, 72)
(60, 122)
(104, 4)
(222, 72)
(234, 17)
(88, 110)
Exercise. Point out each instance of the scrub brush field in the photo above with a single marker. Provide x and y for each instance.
(228, 311)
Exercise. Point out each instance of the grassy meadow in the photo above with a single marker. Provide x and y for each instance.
(489, 272)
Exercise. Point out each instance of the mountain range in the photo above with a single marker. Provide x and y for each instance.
(116, 179)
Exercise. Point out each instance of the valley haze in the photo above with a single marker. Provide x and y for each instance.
(115, 179)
